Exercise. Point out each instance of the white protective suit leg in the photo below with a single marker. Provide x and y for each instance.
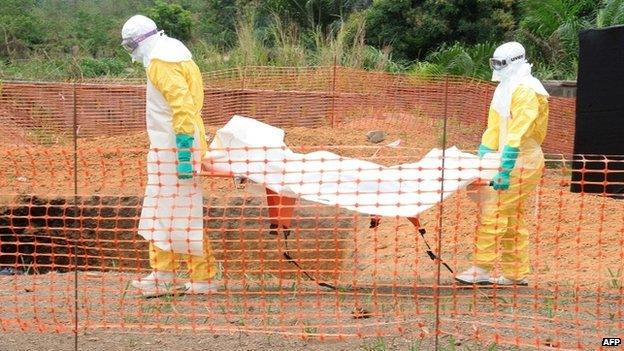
(172, 214)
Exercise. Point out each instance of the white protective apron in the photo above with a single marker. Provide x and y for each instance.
(172, 214)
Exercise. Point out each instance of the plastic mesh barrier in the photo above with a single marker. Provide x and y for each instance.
(69, 216)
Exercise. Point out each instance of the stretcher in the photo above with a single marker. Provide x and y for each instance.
(255, 152)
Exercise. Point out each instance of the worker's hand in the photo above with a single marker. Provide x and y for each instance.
(501, 181)
(185, 168)
(508, 162)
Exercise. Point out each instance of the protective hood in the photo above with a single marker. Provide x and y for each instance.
(139, 35)
(510, 78)
(163, 48)
(144, 43)
(168, 50)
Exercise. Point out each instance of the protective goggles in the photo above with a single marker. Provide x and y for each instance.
(130, 44)
(498, 64)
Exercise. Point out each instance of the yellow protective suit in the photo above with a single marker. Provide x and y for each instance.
(172, 214)
(502, 212)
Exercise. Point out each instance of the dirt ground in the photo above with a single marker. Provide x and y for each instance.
(289, 315)
(109, 165)
(188, 341)
(573, 300)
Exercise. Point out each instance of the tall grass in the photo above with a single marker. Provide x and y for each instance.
(547, 28)
(280, 43)
(250, 49)
(58, 69)
(287, 47)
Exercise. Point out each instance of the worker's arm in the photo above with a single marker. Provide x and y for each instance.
(169, 80)
(490, 136)
(524, 112)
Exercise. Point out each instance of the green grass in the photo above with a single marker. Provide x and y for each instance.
(415, 345)
(280, 43)
(309, 330)
(379, 344)
(548, 309)
(615, 278)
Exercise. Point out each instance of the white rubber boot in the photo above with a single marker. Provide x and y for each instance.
(474, 275)
(502, 281)
(198, 288)
(157, 284)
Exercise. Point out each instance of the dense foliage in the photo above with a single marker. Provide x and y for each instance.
(61, 39)
(415, 28)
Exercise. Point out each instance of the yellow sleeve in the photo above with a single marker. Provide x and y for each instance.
(490, 136)
(169, 79)
(524, 112)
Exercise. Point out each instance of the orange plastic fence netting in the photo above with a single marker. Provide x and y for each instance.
(283, 97)
(69, 222)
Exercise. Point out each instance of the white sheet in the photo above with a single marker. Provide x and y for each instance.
(255, 150)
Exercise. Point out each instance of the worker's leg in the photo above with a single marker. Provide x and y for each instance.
(202, 268)
(515, 254)
(162, 260)
(501, 214)
(162, 280)
(492, 226)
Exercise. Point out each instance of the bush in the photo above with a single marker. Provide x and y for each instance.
(90, 67)
(36, 68)
(173, 19)
(549, 30)
(454, 36)
(459, 60)
(415, 28)
(22, 30)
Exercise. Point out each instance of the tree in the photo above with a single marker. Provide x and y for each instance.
(172, 18)
(549, 29)
(21, 29)
(611, 13)
(458, 59)
(415, 27)
(91, 31)
(313, 13)
(217, 22)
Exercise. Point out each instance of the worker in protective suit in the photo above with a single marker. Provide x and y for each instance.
(517, 123)
(172, 213)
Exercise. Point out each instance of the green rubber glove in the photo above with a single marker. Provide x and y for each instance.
(484, 150)
(185, 168)
(501, 181)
